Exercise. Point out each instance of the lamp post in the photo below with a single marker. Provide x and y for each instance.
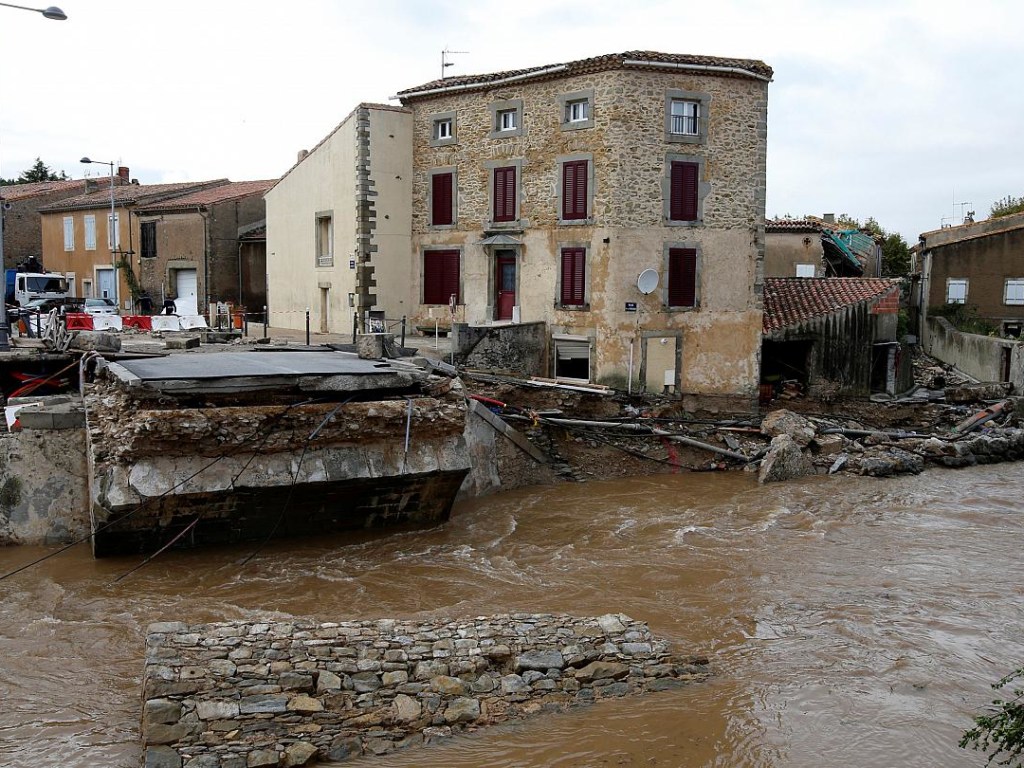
(56, 14)
(112, 229)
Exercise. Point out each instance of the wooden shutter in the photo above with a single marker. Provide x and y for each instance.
(682, 277)
(441, 276)
(505, 194)
(148, 229)
(574, 272)
(683, 192)
(574, 189)
(441, 199)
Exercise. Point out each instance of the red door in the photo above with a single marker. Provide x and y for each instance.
(505, 280)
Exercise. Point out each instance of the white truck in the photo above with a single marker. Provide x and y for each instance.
(23, 287)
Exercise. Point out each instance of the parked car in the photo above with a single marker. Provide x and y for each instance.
(101, 307)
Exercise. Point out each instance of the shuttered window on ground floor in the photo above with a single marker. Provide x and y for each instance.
(441, 276)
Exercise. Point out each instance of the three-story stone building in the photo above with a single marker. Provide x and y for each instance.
(544, 194)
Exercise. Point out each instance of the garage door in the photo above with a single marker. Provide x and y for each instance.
(185, 285)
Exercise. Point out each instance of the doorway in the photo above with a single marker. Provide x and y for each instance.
(505, 285)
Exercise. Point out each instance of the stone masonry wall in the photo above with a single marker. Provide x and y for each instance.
(253, 694)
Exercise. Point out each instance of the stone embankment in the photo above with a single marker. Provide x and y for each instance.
(264, 694)
(801, 447)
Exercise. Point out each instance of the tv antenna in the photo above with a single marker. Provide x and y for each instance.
(445, 63)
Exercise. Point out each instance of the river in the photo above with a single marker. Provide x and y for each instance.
(850, 621)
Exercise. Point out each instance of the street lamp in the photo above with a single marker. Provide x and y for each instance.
(56, 14)
(112, 229)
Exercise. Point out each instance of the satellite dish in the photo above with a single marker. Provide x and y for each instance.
(647, 282)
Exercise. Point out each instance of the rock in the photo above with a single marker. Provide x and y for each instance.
(304, 704)
(162, 757)
(540, 660)
(972, 393)
(427, 670)
(784, 461)
(100, 341)
(365, 682)
(462, 710)
(398, 677)
(840, 462)
(602, 670)
(344, 747)
(611, 624)
(292, 681)
(204, 761)
(893, 462)
(406, 709)
(483, 684)
(783, 422)
(217, 710)
(182, 342)
(828, 445)
(262, 758)
(328, 681)
(162, 733)
(636, 649)
(222, 667)
(161, 711)
(448, 686)
(263, 704)
(498, 652)
(298, 754)
(513, 684)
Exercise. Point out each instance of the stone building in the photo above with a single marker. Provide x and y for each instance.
(813, 247)
(192, 244)
(543, 194)
(338, 225)
(22, 224)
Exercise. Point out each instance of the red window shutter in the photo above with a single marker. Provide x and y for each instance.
(442, 195)
(683, 192)
(574, 190)
(440, 276)
(682, 277)
(574, 272)
(505, 194)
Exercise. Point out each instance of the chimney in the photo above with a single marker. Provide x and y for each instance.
(828, 218)
(302, 155)
(91, 185)
(122, 171)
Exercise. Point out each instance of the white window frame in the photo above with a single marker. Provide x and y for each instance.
(578, 111)
(90, 231)
(69, 233)
(805, 270)
(1013, 291)
(443, 129)
(683, 123)
(956, 282)
(325, 250)
(87, 289)
(437, 138)
(508, 120)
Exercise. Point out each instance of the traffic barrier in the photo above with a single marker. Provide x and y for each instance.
(138, 322)
(165, 323)
(106, 323)
(79, 321)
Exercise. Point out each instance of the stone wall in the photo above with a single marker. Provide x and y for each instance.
(984, 358)
(519, 350)
(43, 489)
(251, 694)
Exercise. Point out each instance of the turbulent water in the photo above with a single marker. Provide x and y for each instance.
(851, 622)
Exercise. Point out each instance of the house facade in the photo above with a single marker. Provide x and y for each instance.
(22, 224)
(98, 252)
(979, 265)
(618, 200)
(192, 244)
(813, 247)
(339, 226)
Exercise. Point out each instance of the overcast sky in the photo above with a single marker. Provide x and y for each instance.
(897, 109)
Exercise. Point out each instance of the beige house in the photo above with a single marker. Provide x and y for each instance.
(338, 226)
(618, 200)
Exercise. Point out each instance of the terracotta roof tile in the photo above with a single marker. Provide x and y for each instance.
(128, 194)
(795, 225)
(219, 194)
(720, 66)
(792, 300)
(37, 188)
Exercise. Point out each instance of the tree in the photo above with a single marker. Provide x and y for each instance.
(895, 255)
(1000, 732)
(39, 171)
(1008, 205)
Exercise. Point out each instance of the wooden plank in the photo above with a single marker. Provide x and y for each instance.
(517, 438)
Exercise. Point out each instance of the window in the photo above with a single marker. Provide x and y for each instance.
(572, 357)
(506, 118)
(90, 232)
(442, 198)
(505, 193)
(683, 191)
(683, 288)
(442, 129)
(956, 290)
(575, 186)
(114, 232)
(148, 244)
(574, 277)
(805, 270)
(441, 277)
(69, 233)
(325, 239)
(1014, 291)
(686, 116)
(577, 109)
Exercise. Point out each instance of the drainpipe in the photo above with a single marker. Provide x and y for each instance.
(206, 263)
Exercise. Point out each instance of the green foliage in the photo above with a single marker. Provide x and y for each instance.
(895, 255)
(1008, 205)
(39, 171)
(965, 318)
(1000, 731)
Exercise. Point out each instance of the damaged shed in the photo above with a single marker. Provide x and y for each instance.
(833, 336)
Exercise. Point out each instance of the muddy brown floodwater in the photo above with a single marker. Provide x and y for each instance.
(852, 622)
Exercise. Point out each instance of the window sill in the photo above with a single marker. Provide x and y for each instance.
(589, 221)
(573, 307)
(517, 225)
(682, 309)
(442, 142)
(682, 138)
(442, 227)
(511, 133)
(677, 223)
(581, 125)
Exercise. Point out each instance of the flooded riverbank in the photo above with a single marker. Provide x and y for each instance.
(851, 621)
